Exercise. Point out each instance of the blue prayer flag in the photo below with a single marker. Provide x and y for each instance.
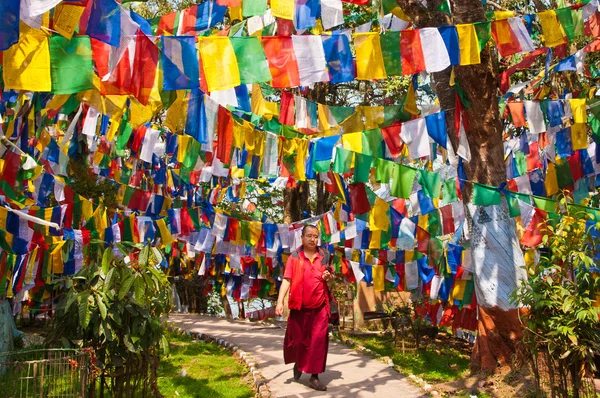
(105, 22)
(9, 19)
(180, 63)
(339, 58)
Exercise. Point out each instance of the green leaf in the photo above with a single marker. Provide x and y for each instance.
(144, 254)
(157, 255)
(84, 312)
(125, 286)
(106, 259)
(139, 289)
(108, 279)
(101, 306)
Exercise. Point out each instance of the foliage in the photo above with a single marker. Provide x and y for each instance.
(215, 305)
(445, 362)
(199, 369)
(560, 294)
(114, 304)
(87, 184)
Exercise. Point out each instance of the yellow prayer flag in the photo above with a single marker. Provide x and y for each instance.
(283, 9)
(375, 242)
(301, 156)
(140, 114)
(458, 291)
(219, 62)
(235, 13)
(579, 136)
(369, 58)
(551, 182)
(27, 63)
(503, 14)
(378, 278)
(554, 34)
(468, 44)
(578, 109)
(66, 19)
(255, 232)
(353, 142)
(374, 116)
(165, 235)
(110, 105)
(378, 217)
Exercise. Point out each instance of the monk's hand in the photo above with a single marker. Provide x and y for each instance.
(327, 276)
(279, 309)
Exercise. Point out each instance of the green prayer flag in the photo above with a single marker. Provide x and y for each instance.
(341, 113)
(322, 166)
(577, 16)
(444, 7)
(521, 162)
(124, 134)
(430, 182)
(71, 64)
(371, 142)
(127, 195)
(485, 195)
(449, 191)
(383, 170)
(484, 33)
(273, 126)
(563, 174)
(513, 205)
(565, 18)
(343, 160)
(403, 180)
(251, 8)
(434, 224)
(593, 105)
(362, 167)
(581, 193)
(251, 59)
(390, 47)
(548, 205)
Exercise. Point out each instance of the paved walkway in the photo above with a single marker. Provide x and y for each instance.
(348, 373)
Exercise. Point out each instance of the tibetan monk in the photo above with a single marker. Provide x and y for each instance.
(306, 338)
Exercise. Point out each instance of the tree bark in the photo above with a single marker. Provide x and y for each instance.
(495, 249)
(295, 201)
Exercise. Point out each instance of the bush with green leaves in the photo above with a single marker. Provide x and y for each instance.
(561, 326)
(114, 305)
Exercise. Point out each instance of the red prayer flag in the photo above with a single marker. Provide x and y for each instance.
(533, 234)
(187, 22)
(517, 112)
(286, 109)
(282, 61)
(411, 52)
(391, 136)
(166, 24)
(447, 219)
(224, 134)
(12, 162)
(358, 198)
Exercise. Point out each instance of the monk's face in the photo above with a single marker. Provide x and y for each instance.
(310, 238)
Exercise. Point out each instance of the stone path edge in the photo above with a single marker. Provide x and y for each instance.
(260, 382)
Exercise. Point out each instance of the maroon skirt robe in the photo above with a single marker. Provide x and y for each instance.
(306, 339)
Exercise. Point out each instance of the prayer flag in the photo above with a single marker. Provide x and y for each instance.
(390, 46)
(254, 7)
(339, 58)
(411, 52)
(179, 63)
(402, 182)
(71, 64)
(252, 62)
(282, 61)
(9, 18)
(105, 22)
(307, 12)
(312, 66)
(26, 65)
(505, 38)
(369, 58)
(219, 62)
(523, 37)
(283, 9)
(468, 44)
(332, 13)
(435, 53)
(414, 134)
(551, 28)
(484, 195)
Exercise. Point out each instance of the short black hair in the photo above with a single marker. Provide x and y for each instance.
(308, 226)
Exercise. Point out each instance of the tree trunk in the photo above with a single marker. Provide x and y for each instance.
(324, 198)
(295, 202)
(496, 255)
(226, 306)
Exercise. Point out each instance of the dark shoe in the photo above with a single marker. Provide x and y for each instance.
(297, 373)
(317, 385)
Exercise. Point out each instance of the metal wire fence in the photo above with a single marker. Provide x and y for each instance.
(44, 373)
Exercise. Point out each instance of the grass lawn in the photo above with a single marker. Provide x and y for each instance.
(445, 359)
(199, 369)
